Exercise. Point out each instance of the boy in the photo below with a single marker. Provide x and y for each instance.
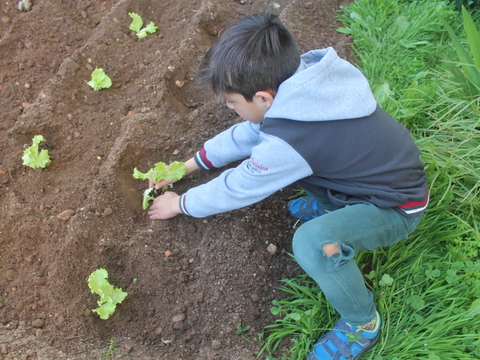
(311, 120)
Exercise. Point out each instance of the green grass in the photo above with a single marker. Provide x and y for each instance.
(428, 287)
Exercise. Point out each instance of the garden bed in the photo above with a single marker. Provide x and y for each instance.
(222, 272)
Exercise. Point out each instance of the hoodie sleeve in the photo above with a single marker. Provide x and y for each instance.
(230, 145)
(273, 164)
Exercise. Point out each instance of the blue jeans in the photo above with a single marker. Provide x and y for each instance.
(353, 228)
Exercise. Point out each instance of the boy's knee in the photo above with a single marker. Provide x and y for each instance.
(331, 249)
(301, 244)
(304, 244)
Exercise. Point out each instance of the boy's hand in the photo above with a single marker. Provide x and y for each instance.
(165, 206)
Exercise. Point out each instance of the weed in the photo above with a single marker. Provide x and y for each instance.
(241, 328)
(110, 350)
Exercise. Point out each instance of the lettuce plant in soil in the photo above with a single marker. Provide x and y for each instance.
(174, 171)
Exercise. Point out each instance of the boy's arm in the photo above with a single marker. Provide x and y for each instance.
(235, 143)
(273, 165)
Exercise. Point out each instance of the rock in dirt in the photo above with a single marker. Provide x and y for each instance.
(66, 215)
(107, 212)
(24, 5)
(216, 345)
(6, 20)
(179, 318)
(272, 249)
(128, 347)
(10, 275)
(39, 323)
(254, 297)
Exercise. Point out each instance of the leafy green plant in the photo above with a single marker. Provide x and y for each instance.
(100, 80)
(109, 296)
(110, 350)
(302, 318)
(137, 24)
(174, 171)
(34, 158)
(241, 328)
(469, 61)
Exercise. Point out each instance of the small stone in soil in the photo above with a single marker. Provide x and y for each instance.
(107, 212)
(216, 345)
(66, 215)
(39, 323)
(10, 275)
(128, 347)
(272, 249)
(6, 20)
(179, 318)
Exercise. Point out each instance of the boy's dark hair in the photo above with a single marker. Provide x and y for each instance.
(256, 53)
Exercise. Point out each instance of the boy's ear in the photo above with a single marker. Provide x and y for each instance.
(266, 97)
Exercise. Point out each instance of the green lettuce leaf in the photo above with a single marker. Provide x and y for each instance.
(100, 80)
(109, 296)
(31, 157)
(137, 22)
(147, 198)
(175, 171)
(149, 29)
(150, 175)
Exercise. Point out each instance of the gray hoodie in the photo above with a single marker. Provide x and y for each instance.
(325, 132)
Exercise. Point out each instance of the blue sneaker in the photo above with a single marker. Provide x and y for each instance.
(305, 208)
(346, 342)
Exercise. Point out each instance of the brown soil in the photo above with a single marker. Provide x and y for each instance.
(221, 273)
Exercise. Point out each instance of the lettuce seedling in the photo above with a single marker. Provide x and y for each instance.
(137, 24)
(33, 158)
(175, 171)
(100, 80)
(109, 296)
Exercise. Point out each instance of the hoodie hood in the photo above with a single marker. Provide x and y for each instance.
(324, 88)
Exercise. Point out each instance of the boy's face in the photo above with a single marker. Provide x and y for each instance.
(253, 111)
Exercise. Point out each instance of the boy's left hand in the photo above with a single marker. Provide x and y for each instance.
(165, 206)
